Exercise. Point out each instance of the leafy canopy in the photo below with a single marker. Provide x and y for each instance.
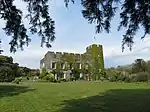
(134, 14)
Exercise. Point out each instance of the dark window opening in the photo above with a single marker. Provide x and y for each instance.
(53, 65)
(62, 65)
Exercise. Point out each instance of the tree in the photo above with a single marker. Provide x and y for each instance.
(125, 69)
(8, 69)
(39, 20)
(24, 71)
(139, 66)
(134, 14)
(148, 66)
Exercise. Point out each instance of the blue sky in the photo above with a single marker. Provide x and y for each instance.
(74, 34)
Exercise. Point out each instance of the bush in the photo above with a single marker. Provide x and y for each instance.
(127, 79)
(49, 77)
(121, 77)
(43, 74)
(76, 74)
(6, 74)
(72, 79)
(112, 79)
(142, 77)
(64, 80)
(111, 75)
(17, 80)
(82, 78)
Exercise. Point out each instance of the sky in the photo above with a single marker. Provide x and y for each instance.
(74, 34)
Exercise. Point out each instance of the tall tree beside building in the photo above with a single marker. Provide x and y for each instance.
(133, 14)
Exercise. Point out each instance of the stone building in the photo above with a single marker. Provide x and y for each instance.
(69, 61)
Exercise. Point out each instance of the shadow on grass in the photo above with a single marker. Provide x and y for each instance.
(119, 100)
(11, 90)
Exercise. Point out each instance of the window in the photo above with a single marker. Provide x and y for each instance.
(62, 65)
(79, 65)
(71, 65)
(43, 65)
(53, 65)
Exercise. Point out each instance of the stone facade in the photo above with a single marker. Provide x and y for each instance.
(68, 61)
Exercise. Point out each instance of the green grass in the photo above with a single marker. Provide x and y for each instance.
(75, 97)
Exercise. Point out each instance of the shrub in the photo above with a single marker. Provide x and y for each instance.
(112, 78)
(59, 81)
(64, 80)
(49, 77)
(6, 74)
(43, 74)
(17, 80)
(141, 77)
(132, 77)
(82, 78)
(121, 78)
(72, 79)
(76, 74)
(127, 79)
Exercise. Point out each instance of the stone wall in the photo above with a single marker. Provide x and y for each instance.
(73, 59)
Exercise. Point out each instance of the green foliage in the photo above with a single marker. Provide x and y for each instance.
(95, 54)
(139, 66)
(127, 69)
(24, 71)
(142, 77)
(37, 74)
(43, 73)
(49, 77)
(38, 17)
(17, 80)
(127, 79)
(6, 74)
(5, 59)
(110, 75)
(137, 72)
(46, 76)
(113, 75)
(76, 74)
(148, 66)
(134, 13)
(8, 69)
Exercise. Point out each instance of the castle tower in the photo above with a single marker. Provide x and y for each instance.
(95, 53)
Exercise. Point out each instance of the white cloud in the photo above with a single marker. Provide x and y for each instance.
(140, 50)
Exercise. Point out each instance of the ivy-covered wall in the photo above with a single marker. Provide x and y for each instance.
(95, 53)
(92, 61)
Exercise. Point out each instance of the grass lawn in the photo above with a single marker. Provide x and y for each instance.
(75, 97)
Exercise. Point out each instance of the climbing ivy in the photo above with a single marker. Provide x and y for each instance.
(95, 53)
(93, 58)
